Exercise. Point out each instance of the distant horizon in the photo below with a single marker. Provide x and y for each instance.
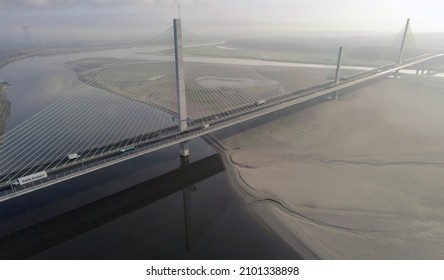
(119, 20)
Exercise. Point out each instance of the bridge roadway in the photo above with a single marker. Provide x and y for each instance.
(170, 136)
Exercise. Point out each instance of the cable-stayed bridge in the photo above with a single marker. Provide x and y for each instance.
(177, 88)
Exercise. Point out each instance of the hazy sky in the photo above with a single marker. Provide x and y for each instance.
(119, 19)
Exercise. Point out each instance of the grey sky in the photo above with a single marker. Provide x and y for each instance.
(118, 18)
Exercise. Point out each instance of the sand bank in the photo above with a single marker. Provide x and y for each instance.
(357, 178)
(211, 88)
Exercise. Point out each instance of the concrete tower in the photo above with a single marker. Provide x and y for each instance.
(180, 83)
(338, 71)
(403, 41)
(401, 51)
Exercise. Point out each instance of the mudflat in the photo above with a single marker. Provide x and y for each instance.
(357, 178)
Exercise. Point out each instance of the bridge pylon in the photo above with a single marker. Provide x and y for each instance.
(401, 51)
(338, 71)
(180, 84)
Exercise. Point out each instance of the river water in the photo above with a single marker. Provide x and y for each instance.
(145, 208)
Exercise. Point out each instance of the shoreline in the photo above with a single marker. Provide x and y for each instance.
(5, 104)
(268, 243)
(260, 204)
(256, 201)
(347, 179)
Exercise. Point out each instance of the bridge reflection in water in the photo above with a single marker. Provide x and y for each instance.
(30, 241)
(34, 241)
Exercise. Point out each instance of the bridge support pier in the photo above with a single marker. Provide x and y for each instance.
(184, 149)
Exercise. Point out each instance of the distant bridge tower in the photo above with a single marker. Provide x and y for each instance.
(401, 51)
(26, 35)
(403, 41)
(338, 71)
(180, 84)
(338, 66)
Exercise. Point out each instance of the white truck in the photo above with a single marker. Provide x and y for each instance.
(30, 178)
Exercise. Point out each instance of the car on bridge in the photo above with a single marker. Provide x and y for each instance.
(260, 102)
(127, 149)
(73, 156)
